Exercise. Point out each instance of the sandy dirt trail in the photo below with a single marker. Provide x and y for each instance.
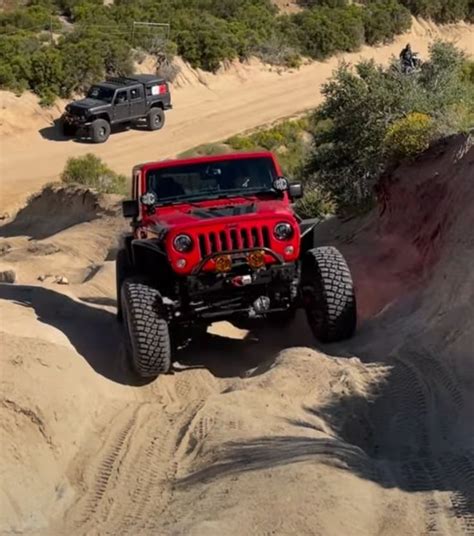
(207, 108)
(256, 433)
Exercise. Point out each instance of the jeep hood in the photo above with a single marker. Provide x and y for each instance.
(221, 211)
(87, 104)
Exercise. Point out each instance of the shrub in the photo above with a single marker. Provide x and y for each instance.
(383, 19)
(89, 170)
(208, 149)
(324, 31)
(277, 52)
(315, 203)
(409, 136)
(468, 72)
(289, 140)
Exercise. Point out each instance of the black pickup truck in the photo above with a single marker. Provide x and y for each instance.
(118, 101)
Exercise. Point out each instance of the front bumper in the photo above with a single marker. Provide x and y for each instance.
(222, 296)
(75, 120)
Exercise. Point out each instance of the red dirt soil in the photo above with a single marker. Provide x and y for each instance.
(397, 248)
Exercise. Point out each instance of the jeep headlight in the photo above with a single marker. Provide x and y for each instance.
(183, 243)
(283, 231)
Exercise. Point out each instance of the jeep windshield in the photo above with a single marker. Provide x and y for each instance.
(101, 93)
(212, 180)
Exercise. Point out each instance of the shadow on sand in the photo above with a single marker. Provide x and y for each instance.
(54, 132)
(97, 337)
(410, 431)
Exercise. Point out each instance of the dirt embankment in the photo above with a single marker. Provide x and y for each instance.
(207, 108)
(260, 432)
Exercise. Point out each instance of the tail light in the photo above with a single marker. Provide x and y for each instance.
(163, 88)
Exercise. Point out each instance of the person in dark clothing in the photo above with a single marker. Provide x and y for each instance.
(406, 56)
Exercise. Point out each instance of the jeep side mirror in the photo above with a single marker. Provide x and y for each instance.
(130, 209)
(295, 190)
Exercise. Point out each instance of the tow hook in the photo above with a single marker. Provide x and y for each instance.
(242, 280)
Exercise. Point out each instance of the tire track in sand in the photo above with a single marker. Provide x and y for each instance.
(130, 481)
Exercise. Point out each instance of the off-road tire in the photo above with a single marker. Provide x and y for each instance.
(147, 339)
(67, 129)
(100, 130)
(155, 119)
(328, 295)
(123, 270)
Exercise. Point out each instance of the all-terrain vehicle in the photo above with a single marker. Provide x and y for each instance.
(216, 238)
(412, 66)
(118, 101)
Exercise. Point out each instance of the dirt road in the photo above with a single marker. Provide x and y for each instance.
(256, 433)
(207, 108)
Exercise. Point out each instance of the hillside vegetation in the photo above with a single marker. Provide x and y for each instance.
(57, 47)
(371, 118)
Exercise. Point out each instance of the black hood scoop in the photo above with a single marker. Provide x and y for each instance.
(222, 212)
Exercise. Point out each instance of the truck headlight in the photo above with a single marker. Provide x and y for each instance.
(183, 243)
(283, 231)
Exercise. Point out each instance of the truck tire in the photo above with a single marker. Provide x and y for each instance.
(123, 270)
(156, 119)
(328, 295)
(100, 130)
(147, 339)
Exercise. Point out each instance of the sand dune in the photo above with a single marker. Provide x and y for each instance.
(258, 432)
(207, 108)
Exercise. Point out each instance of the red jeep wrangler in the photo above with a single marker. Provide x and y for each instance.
(215, 238)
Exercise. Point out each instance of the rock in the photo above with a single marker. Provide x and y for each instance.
(62, 280)
(7, 276)
(4, 248)
(39, 248)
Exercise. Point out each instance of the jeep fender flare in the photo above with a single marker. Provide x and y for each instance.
(307, 230)
(137, 246)
(104, 116)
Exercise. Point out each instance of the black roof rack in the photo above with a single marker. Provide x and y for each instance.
(121, 79)
(136, 79)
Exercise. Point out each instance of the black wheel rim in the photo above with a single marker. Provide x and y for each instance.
(157, 120)
(102, 132)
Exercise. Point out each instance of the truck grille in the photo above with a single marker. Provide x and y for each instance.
(234, 239)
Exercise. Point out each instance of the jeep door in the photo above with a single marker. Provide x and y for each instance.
(121, 106)
(137, 102)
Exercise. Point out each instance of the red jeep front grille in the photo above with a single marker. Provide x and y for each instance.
(234, 239)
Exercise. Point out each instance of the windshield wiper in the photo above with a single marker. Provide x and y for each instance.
(208, 196)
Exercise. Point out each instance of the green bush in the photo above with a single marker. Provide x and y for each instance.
(90, 171)
(208, 149)
(383, 19)
(409, 136)
(288, 140)
(315, 203)
(324, 31)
